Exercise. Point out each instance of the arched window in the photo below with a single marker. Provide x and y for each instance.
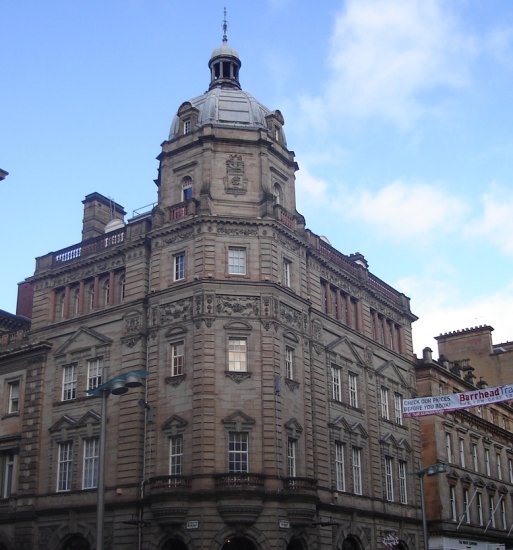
(61, 300)
(90, 297)
(75, 301)
(277, 194)
(106, 292)
(121, 289)
(186, 188)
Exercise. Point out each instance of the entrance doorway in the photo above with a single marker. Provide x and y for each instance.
(76, 542)
(238, 543)
(174, 544)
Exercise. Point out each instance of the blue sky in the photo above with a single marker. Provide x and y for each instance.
(399, 112)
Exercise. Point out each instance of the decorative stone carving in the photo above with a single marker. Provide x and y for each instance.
(244, 306)
(181, 309)
(237, 377)
(293, 385)
(235, 181)
(291, 317)
(181, 236)
(237, 230)
(175, 380)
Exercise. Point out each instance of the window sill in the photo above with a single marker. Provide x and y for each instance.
(175, 380)
(237, 376)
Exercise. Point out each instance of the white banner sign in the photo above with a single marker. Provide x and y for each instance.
(434, 404)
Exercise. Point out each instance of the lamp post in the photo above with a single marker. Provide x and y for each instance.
(118, 385)
(436, 468)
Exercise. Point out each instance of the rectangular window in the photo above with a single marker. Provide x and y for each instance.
(94, 373)
(353, 389)
(8, 464)
(403, 484)
(336, 383)
(487, 462)
(385, 412)
(64, 464)
(479, 506)
(177, 358)
(491, 510)
(498, 465)
(357, 470)
(69, 382)
(291, 457)
(504, 525)
(466, 506)
(238, 452)
(179, 266)
(289, 363)
(462, 453)
(175, 455)
(237, 355)
(475, 460)
(389, 479)
(340, 466)
(398, 408)
(448, 447)
(91, 461)
(187, 126)
(452, 499)
(510, 470)
(287, 264)
(237, 261)
(13, 405)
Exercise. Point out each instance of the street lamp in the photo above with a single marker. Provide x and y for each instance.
(436, 468)
(118, 385)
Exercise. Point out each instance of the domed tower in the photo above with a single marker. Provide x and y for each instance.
(226, 152)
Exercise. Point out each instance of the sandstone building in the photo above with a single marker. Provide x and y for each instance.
(471, 504)
(271, 415)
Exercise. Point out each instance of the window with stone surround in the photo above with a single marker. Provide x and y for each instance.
(236, 260)
(237, 354)
(177, 355)
(13, 397)
(179, 266)
(64, 466)
(69, 382)
(91, 457)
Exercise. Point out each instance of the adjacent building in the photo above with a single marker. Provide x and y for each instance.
(471, 504)
(276, 366)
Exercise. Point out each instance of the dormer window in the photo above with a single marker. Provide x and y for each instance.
(187, 126)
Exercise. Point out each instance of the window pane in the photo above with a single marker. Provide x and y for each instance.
(238, 452)
(179, 266)
(340, 467)
(177, 359)
(91, 458)
(64, 466)
(175, 455)
(94, 373)
(14, 397)
(237, 355)
(237, 261)
(69, 382)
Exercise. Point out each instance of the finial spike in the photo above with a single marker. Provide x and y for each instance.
(225, 28)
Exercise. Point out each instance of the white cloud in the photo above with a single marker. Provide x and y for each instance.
(495, 223)
(441, 312)
(312, 190)
(386, 56)
(407, 211)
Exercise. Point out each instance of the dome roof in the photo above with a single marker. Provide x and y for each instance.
(226, 107)
(224, 50)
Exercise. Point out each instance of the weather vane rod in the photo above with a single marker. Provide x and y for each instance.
(225, 28)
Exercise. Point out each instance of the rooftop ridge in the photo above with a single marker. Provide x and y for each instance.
(478, 328)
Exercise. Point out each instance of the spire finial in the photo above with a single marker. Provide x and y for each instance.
(225, 28)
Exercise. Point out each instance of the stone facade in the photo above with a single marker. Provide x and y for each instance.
(271, 416)
(470, 505)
